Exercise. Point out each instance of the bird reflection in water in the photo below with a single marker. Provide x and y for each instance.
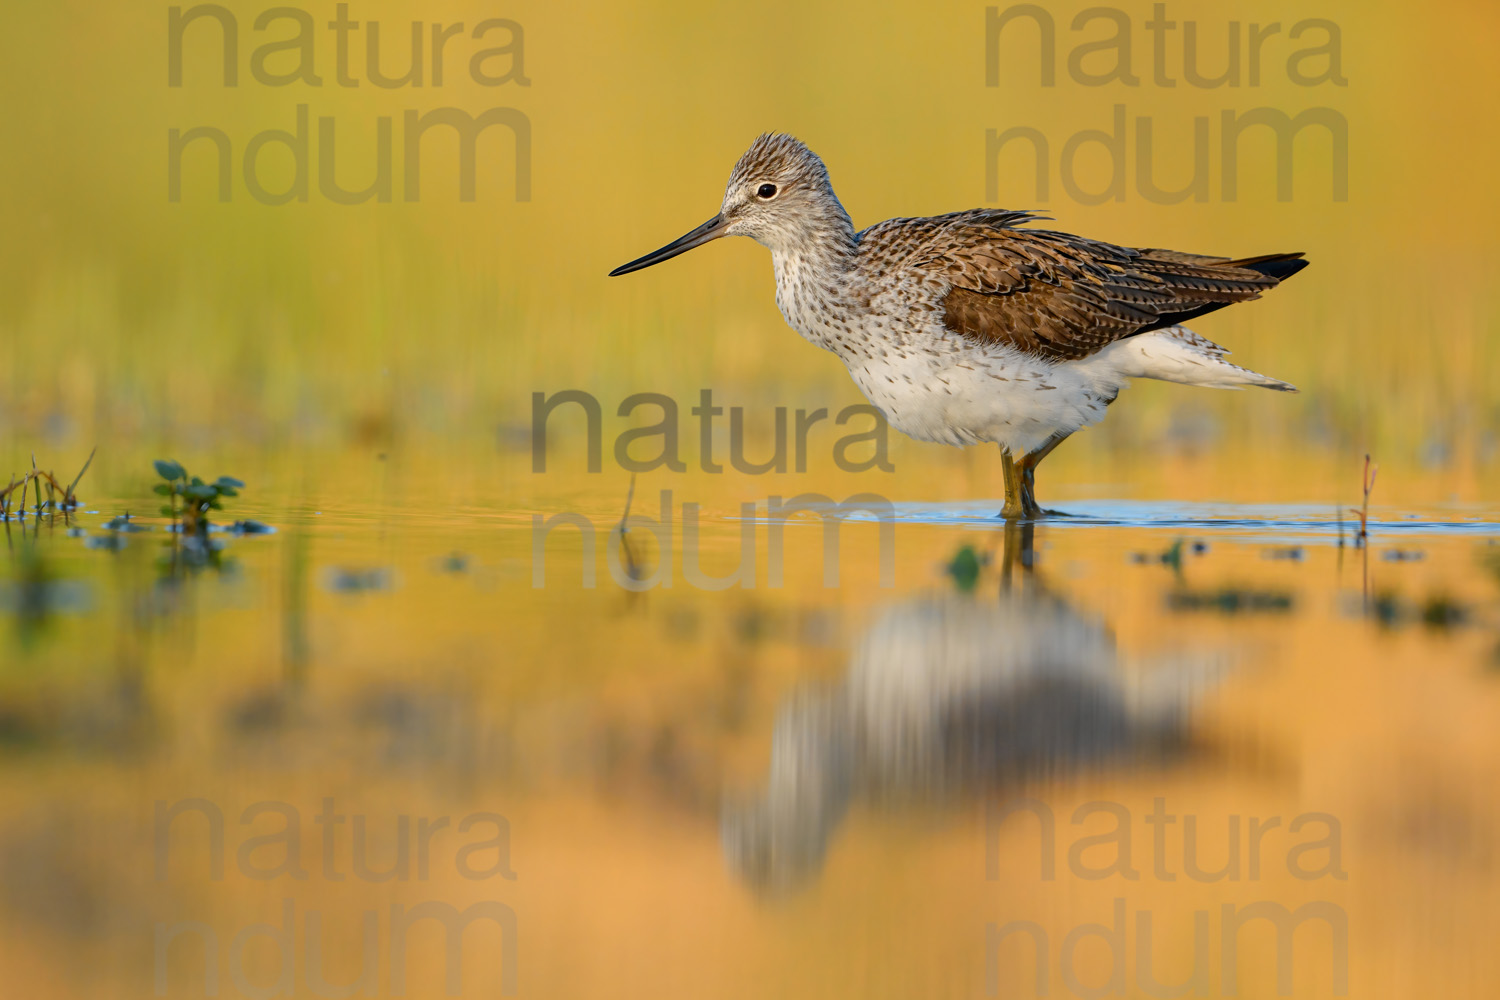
(954, 694)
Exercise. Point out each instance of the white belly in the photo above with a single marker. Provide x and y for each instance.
(953, 391)
(972, 395)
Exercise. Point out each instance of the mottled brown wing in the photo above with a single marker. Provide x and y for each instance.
(1065, 297)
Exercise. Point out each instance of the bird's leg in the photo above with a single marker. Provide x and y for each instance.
(1026, 470)
(1019, 555)
(1014, 506)
(1032, 509)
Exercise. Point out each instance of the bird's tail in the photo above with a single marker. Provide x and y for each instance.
(1280, 266)
(1177, 354)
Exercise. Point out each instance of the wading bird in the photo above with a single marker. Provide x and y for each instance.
(969, 327)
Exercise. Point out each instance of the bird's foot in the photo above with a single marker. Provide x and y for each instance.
(1018, 512)
(1013, 512)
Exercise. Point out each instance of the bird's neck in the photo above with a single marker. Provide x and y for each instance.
(812, 275)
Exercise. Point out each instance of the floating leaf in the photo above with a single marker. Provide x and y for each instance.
(170, 470)
(230, 482)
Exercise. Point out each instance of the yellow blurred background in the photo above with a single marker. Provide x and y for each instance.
(368, 370)
(128, 317)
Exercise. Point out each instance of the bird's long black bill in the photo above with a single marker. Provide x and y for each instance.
(710, 230)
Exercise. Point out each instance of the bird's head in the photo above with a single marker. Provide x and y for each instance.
(778, 194)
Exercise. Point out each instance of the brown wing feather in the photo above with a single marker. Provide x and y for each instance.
(1065, 297)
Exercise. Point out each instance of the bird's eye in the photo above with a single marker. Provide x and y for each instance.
(766, 192)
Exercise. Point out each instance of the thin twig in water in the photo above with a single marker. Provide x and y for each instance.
(622, 529)
(69, 496)
(1371, 471)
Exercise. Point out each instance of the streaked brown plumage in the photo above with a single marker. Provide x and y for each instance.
(1064, 297)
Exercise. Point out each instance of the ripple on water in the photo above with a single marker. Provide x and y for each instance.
(1306, 523)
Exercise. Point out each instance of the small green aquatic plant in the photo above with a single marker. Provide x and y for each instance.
(190, 498)
(1172, 555)
(965, 568)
